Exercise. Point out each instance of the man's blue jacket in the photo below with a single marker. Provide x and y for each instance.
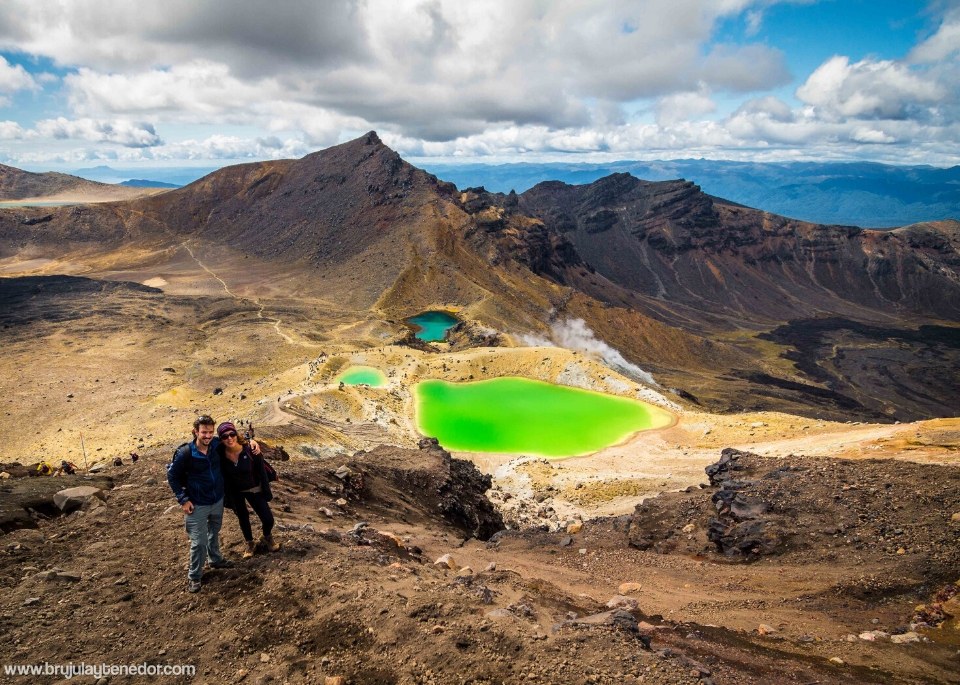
(195, 476)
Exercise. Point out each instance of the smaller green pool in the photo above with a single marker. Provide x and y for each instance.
(523, 416)
(432, 326)
(363, 375)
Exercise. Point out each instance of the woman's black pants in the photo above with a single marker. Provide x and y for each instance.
(260, 506)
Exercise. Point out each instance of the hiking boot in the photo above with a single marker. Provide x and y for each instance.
(250, 550)
(269, 543)
(223, 563)
(193, 586)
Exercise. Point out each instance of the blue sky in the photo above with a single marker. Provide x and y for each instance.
(197, 83)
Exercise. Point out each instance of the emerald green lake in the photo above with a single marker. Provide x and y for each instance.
(366, 375)
(523, 416)
(432, 326)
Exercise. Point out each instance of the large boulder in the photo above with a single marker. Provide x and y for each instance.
(428, 481)
(74, 498)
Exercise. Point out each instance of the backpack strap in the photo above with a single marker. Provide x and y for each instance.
(176, 452)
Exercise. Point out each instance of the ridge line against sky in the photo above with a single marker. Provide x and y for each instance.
(192, 82)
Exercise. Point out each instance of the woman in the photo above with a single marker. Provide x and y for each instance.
(245, 481)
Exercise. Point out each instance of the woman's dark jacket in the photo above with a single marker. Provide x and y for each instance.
(247, 473)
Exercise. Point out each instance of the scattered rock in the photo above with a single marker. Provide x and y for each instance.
(574, 527)
(629, 588)
(497, 613)
(905, 638)
(447, 561)
(70, 576)
(951, 607)
(764, 629)
(73, 498)
(622, 602)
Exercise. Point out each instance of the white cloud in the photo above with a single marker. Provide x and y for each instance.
(869, 89)
(745, 68)
(122, 132)
(232, 147)
(871, 135)
(942, 45)
(682, 106)
(192, 90)
(11, 130)
(448, 77)
(14, 78)
(435, 69)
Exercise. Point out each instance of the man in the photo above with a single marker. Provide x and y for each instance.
(195, 478)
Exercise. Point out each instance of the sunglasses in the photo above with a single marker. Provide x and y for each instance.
(231, 434)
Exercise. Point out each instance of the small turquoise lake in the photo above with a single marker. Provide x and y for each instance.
(432, 326)
(362, 375)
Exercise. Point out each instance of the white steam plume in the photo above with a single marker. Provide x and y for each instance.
(574, 334)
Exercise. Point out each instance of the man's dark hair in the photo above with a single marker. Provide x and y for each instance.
(203, 420)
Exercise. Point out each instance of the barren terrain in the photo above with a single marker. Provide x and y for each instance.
(103, 362)
(805, 563)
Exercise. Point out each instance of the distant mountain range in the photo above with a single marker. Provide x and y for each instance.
(164, 176)
(858, 194)
(143, 183)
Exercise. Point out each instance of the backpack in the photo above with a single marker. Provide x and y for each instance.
(176, 452)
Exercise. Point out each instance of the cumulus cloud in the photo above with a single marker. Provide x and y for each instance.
(11, 130)
(745, 68)
(196, 88)
(122, 132)
(233, 147)
(453, 78)
(433, 69)
(869, 89)
(944, 44)
(682, 106)
(14, 77)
